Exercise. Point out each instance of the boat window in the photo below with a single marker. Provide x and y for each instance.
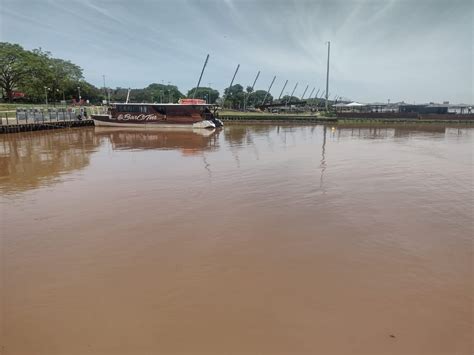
(131, 108)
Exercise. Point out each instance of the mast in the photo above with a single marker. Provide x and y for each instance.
(200, 77)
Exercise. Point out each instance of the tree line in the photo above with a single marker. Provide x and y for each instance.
(34, 76)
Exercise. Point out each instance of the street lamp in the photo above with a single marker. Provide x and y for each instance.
(46, 94)
(79, 92)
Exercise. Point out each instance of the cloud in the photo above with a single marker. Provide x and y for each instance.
(400, 49)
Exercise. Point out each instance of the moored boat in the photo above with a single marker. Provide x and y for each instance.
(188, 113)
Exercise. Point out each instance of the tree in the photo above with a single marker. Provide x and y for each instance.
(234, 96)
(152, 93)
(256, 98)
(14, 67)
(289, 99)
(205, 93)
(36, 73)
(161, 93)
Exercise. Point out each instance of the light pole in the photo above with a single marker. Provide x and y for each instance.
(327, 75)
(79, 92)
(46, 94)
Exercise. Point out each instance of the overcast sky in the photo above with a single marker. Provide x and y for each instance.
(411, 50)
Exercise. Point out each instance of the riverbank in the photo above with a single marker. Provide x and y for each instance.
(271, 118)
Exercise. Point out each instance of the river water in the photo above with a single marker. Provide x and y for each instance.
(259, 239)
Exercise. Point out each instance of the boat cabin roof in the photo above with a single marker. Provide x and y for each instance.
(157, 104)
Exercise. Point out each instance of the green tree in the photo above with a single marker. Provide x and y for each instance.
(205, 93)
(256, 98)
(162, 93)
(14, 67)
(152, 93)
(289, 99)
(36, 73)
(234, 96)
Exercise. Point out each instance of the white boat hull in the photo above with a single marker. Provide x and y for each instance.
(205, 124)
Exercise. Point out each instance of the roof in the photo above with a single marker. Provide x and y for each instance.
(355, 104)
(157, 104)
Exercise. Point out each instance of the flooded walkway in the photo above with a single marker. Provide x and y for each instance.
(253, 240)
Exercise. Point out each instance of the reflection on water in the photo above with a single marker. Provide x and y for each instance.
(31, 160)
(189, 142)
(34, 159)
(256, 239)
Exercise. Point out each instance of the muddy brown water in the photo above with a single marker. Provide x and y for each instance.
(252, 240)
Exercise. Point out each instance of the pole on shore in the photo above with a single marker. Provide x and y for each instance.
(247, 96)
(304, 92)
(128, 95)
(231, 82)
(105, 90)
(200, 76)
(327, 74)
(311, 93)
(268, 91)
(289, 99)
(284, 86)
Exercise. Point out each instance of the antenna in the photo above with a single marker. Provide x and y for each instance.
(281, 93)
(200, 77)
(269, 88)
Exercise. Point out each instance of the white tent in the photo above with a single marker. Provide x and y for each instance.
(355, 104)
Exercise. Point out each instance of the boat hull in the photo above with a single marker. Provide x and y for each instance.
(106, 121)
